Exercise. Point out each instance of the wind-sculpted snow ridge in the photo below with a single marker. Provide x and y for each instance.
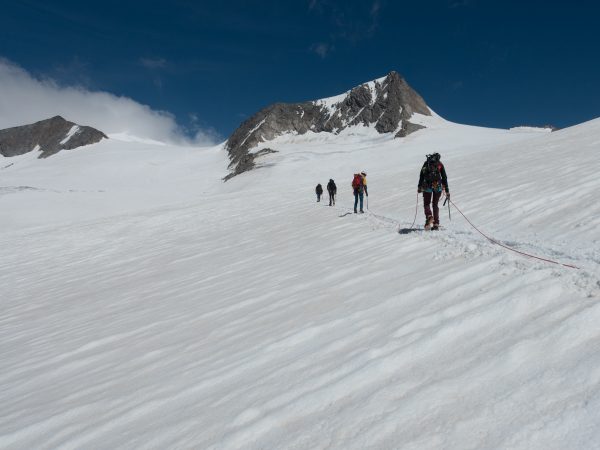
(387, 104)
(247, 315)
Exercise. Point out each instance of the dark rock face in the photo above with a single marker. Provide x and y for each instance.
(49, 136)
(247, 162)
(387, 103)
(407, 128)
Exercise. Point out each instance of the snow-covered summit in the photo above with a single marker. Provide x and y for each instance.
(385, 104)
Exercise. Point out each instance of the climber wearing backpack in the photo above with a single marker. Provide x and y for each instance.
(331, 190)
(432, 181)
(319, 191)
(359, 186)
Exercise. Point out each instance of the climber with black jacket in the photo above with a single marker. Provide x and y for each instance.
(331, 190)
(319, 191)
(432, 181)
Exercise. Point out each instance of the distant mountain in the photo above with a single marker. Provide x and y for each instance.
(387, 104)
(48, 136)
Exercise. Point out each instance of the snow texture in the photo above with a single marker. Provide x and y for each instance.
(146, 304)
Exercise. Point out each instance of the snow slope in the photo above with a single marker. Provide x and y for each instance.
(145, 304)
(116, 176)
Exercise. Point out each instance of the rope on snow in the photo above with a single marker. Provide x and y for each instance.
(494, 241)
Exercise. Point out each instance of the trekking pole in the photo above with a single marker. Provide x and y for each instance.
(446, 200)
(416, 210)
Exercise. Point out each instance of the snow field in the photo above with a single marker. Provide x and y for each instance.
(246, 315)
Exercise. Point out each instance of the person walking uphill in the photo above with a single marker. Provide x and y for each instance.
(359, 187)
(331, 190)
(319, 191)
(432, 181)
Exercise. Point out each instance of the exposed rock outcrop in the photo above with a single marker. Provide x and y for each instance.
(408, 128)
(48, 136)
(247, 162)
(386, 104)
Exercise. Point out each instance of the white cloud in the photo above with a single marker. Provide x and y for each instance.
(202, 132)
(25, 99)
(321, 49)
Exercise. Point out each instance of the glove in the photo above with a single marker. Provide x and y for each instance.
(419, 190)
(448, 195)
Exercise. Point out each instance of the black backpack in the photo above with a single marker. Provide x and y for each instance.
(432, 175)
(331, 187)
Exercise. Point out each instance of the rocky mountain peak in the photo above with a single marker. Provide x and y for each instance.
(387, 104)
(49, 136)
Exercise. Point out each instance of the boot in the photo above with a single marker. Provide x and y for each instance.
(428, 223)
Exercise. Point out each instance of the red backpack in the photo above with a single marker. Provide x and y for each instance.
(357, 181)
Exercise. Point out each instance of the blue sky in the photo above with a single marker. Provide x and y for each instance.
(213, 64)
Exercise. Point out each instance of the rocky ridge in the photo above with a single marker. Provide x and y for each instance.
(48, 136)
(387, 104)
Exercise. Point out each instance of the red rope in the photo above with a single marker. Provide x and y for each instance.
(494, 241)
